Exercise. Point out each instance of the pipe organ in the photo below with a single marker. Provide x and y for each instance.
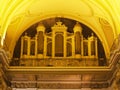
(58, 44)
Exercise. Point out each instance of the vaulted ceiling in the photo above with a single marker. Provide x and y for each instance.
(102, 16)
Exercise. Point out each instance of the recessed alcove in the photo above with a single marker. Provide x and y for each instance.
(60, 49)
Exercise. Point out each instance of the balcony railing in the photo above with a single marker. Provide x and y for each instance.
(58, 62)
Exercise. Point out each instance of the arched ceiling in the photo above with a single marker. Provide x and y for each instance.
(102, 16)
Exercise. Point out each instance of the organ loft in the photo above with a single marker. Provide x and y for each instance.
(59, 44)
(59, 47)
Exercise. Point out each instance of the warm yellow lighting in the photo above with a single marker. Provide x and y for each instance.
(17, 15)
(102, 16)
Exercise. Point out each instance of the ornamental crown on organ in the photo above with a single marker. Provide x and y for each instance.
(59, 43)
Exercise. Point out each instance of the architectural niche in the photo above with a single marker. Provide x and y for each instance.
(61, 45)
